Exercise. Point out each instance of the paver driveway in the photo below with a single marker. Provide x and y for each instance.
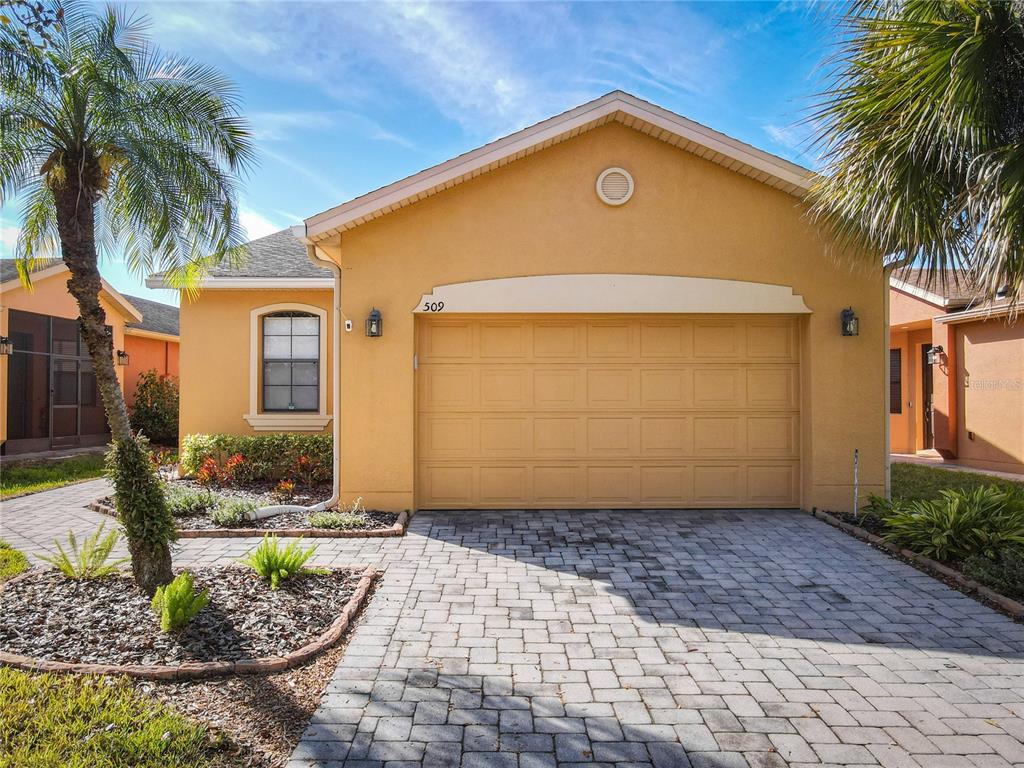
(628, 638)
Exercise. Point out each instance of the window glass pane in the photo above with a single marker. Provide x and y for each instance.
(305, 398)
(277, 347)
(29, 332)
(276, 398)
(277, 326)
(304, 373)
(305, 347)
(277, 373)
(305, 326)
(65, 336)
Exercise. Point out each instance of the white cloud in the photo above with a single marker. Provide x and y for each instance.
(789, 137)
(255, 223)
(324, 184)
(8, 240)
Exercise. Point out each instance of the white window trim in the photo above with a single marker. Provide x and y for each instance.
(283, 421)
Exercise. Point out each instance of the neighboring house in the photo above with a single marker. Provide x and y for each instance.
(152, 345)
(616, 307)
(48, 394)
(956, 373)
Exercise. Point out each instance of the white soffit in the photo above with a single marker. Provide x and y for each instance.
(616, 106)
(626, 294)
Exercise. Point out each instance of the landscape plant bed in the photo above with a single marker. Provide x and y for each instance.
(106, 625)
(259, 491)
(944, 573)
(378, 524)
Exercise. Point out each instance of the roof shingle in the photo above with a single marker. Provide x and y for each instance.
(156, 317)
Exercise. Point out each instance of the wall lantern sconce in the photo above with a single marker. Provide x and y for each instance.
(935, 355)
(374, 323)
(122, 357)
(6, 346)
(850, 321)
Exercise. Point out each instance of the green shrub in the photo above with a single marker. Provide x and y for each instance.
(958, 525)
(1003, 573)
(267, 457)
(188, 502)
(177, 603)
(336, 520)
(88, 561)
(232, 512)
(12, 562)
(275, 564)
(155, 410)
(74, 721)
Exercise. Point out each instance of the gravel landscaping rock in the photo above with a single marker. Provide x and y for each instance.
(286, 520)
(109, 621)
(259, 492)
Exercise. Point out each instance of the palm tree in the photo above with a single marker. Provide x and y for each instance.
(108, 141)
(922, 131)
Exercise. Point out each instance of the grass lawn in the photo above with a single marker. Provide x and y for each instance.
(17, 479)
(12, 562)
(81, 722)
(916, 481)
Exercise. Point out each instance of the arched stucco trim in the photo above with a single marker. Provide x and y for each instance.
(591, 293)
(278, 421)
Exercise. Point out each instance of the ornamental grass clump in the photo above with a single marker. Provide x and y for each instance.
(959, 524)
(88, 560)
(178, 603)
(337, 521)
(275, 564)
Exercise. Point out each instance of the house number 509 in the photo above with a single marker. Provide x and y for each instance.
(433, 306)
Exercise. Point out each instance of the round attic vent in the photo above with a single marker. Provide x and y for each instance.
(615, 186)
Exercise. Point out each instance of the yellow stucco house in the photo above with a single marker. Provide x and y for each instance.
(616, 307)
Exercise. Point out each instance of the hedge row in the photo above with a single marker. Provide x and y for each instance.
(269, 457)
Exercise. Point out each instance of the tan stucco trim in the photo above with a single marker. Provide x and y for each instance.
(250, 283)
(981, 313)
(299, 422)
(596, 293)
(615, 106)
(129, 331)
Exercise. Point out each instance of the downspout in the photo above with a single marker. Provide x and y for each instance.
(264, 512)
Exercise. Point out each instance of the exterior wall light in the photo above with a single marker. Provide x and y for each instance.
(935, 355)
(6, 346)
(122, 357)
(850, 321)
(374, 323)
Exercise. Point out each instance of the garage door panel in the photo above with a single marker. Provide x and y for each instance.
(662, 411)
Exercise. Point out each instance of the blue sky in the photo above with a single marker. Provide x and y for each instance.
(346, 97)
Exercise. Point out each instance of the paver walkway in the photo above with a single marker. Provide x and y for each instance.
(719, 639)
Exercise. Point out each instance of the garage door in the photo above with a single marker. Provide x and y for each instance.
(607, 411)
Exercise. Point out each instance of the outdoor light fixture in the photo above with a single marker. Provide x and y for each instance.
(122, 357)
(935, 355)
(6, 346)
(851, 324)
(374, 323)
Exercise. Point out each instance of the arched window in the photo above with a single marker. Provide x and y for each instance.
(291, 362)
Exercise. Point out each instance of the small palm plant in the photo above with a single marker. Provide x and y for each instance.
(90, 560)
(275, 564)
(112, 144)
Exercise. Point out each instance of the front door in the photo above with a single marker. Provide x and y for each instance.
(926, 397)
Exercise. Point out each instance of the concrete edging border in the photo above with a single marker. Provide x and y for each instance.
(198, 670)
(397, 529)
(932, 567)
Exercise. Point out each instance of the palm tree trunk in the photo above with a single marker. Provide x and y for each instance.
(150, 556)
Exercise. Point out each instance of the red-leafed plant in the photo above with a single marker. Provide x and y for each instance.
(309, 470)
(231, 469)
(209, 472)
(283, 492)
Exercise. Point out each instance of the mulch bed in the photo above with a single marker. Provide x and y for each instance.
(108, 621)
(952, 577)
(285, 521)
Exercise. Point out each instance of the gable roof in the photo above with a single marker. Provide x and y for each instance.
(957, 291)
(279, 256)
(45, 268)
(616, 106)
(156, 317)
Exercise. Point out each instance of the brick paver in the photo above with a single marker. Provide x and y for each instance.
(733, 638)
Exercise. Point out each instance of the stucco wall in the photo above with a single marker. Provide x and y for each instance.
(990, 377)
(540, 215)
(147, 354)
(905, 309)
(49, 296)
(906, 429)
(215, 355)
